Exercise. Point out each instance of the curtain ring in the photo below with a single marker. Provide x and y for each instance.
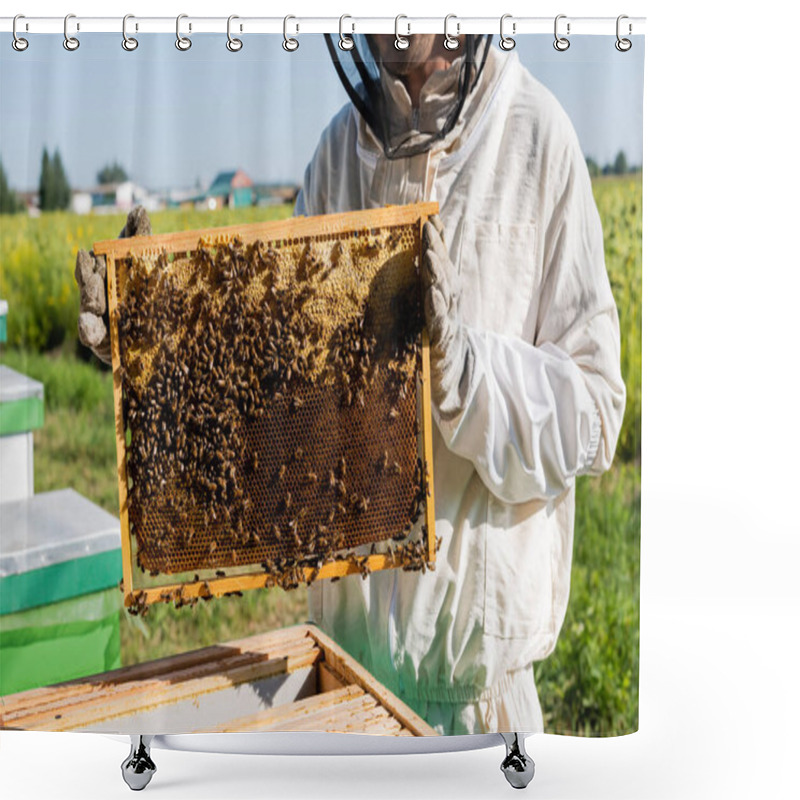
(451, 42)
(128, 42)
(623, 45)
(400, 42)
(345, 42)
(70, 42)
(506, 42)
(561, 43)
(233, 44)
(289, 44)
(18, 43)
(183, 43)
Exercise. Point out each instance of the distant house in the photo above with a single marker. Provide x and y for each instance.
(232, 189)
(270, 194)
(114, 197)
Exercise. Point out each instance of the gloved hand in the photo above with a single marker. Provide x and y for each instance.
(90, 273)
(451, 357)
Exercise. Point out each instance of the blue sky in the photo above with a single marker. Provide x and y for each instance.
(172, 118)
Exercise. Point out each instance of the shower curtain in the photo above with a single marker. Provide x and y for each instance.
(528, 284)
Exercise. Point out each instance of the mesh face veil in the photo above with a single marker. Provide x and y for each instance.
(374, 74)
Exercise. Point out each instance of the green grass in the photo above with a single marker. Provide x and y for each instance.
(589, 685)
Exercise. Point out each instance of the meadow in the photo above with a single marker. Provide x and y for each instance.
(589, 685)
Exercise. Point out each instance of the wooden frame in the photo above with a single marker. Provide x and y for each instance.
(111, 699)
(183, 241)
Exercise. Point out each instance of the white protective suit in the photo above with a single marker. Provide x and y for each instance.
(542, 404)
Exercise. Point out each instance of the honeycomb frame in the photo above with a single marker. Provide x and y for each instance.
(252, 574)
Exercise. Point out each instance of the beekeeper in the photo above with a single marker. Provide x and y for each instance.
(525, 365)
(526, 385)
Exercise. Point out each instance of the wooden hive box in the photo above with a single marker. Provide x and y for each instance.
(293, 679)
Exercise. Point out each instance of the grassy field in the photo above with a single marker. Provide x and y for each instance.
(588, 685)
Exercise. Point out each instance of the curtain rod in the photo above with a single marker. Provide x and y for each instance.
(351, 24)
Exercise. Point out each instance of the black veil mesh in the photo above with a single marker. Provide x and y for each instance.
(360, 71)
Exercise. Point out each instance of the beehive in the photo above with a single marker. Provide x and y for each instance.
(272, 403)
(294, 679)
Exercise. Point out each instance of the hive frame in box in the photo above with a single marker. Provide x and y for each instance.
(181, 242)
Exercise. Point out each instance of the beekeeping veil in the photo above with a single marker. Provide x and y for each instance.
(379, 94)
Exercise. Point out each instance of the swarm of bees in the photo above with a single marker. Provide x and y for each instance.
(271, 406)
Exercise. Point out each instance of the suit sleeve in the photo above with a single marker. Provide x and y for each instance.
(535, 415)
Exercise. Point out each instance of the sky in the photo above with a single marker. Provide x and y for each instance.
(175, 118)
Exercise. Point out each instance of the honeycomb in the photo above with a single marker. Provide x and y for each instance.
(270, 398)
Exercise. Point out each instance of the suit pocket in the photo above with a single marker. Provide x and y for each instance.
(499, 272)
(519, 574)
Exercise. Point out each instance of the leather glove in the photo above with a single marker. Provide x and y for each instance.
(90, 273)
(452, 361)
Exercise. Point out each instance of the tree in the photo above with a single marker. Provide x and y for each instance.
(46, 183)
(9, 202)
(62, 191)
(112, 173)
(620, 163)
(593, 167)
(54, 189)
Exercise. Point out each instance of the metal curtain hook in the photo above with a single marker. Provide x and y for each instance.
(70, 42)
(18, 43)
(128, 42)
(506, 42)
(233, 44)
(182, 42)
(345, 42)
(289, 44)
(623, 45)
(451, 42)
(561, 43)
(400, 42)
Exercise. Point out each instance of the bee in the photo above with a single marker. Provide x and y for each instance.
(393, 413)
(342, 467)
(311, 477)
(281, 472)
(220, 573)
(276, 532)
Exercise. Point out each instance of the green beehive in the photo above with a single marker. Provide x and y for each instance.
(21, 412)
(60, 568)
